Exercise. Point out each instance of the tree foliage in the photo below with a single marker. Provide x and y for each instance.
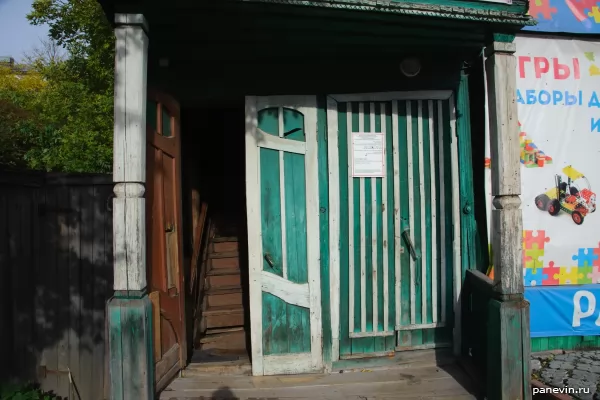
(60, 114)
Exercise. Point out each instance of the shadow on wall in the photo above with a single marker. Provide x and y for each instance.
(55, 278)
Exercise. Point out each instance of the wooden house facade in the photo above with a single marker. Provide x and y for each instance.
(345, 258)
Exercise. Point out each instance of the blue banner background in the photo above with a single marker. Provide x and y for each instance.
(552, 309)
(568, 16)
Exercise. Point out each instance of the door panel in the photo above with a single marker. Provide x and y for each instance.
(282, 195)
(163, 196)
(391, 300)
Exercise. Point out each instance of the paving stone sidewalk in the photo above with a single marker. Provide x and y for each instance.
(576, 369)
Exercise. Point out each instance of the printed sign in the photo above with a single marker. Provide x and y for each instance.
(569, 16)
(564, 310)
(368, 155)
(558, 96)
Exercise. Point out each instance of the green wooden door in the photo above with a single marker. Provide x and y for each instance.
(283, 226)
(392, 298)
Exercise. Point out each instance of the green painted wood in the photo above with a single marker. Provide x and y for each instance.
(448, 206)
(388, 247)
(286, 327)
(507, 328)
(417, 335)
(130, 342)
(407, 339)
(324, 228)
(345, 342)
(468, 225)
(564, 343)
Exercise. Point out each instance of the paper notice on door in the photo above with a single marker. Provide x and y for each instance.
(368, 155)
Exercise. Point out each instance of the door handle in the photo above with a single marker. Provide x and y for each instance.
(270, 261)
(411, 247)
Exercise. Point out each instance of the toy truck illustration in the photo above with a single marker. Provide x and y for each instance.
(574, 196)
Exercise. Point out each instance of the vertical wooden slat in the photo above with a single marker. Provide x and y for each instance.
(5, 284)
(27, 277)
(397, 232)
(14, 234)
(374, 231)
(385, 239)
(74, 249)
(334, 223)
(86, 292)
(413, 286)
(51, 281)
(63, 289)
(363, 234)
(423, 225)
(107, 290)
(457, 265)
(434, 259)
(350, 220)
(101, 272)
(282, 202)
(440, 121)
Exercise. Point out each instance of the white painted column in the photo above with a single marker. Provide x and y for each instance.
(506, 168)
(130, 310)
(129, 165)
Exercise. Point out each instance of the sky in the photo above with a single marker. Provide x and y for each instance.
(17, 36)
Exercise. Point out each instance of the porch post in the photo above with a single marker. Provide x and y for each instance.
(130, 310)
(508, 313)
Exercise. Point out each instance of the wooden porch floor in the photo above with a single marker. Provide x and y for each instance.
(414, 381)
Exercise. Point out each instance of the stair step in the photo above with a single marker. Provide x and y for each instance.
(225, 247)
(224, 296)
(228, 263)
(227, 254)
(215, 331)
(223, 271)
(218, 281)
(224, 316)
(224, 310)
(222, 239)
(240, 367)
(225, 337)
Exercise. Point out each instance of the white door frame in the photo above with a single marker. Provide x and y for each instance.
(306, 295)
(334, 202)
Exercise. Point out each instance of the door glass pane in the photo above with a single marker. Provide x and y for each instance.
(151, 114)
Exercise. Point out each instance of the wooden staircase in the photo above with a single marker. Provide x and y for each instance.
(222, 306)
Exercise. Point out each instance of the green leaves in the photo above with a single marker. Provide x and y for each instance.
(59, 116)
(24, 392)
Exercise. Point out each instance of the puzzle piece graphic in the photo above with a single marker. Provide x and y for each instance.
(585, 257)
(552, 274)
(586, 275)
(589, 55)
(595, 275)
(534, 277)
(580, 8)
(533, 258)
(595, 13)
(541, 9)
(538, 241)
(569, 276)
(596, 262)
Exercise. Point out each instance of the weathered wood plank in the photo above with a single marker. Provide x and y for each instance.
(5, 284)
(75, 296)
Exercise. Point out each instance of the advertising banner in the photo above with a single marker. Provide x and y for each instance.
(558, 95)
(568, 16)
(564, 310)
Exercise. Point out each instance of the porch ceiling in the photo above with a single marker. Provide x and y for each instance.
(226, 49)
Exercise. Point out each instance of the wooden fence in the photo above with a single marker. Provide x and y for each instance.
(56, 275)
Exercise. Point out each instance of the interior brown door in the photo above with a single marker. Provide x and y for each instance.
(164, 240)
